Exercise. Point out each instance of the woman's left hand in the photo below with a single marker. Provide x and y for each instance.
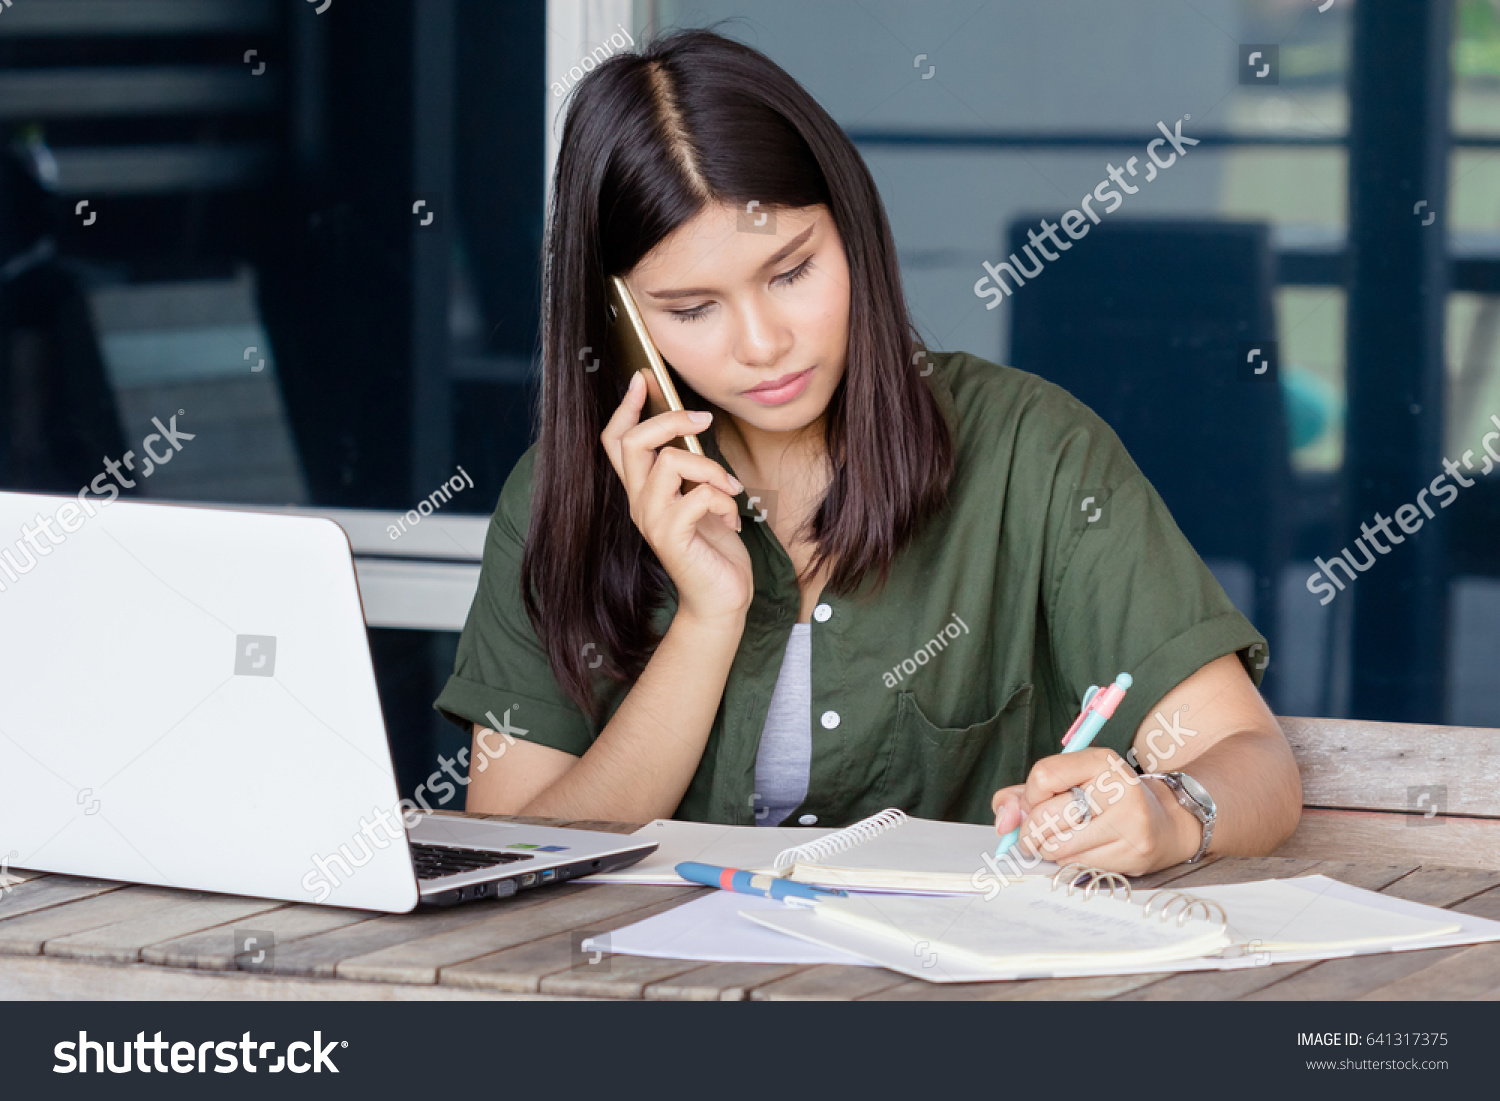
(1134, 826)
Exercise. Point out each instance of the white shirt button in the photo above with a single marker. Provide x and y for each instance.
(808, 820)
(822, 613)
(829, 720)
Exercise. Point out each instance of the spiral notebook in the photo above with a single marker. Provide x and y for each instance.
(1044, 928)
(889, 851)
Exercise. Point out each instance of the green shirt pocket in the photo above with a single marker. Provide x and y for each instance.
(950, 773)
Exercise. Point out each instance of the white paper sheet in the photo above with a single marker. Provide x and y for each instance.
(954, 849)
(711, 929)
(911, 959)
(749, 848)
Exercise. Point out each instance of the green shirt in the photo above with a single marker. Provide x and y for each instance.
(1054, 566)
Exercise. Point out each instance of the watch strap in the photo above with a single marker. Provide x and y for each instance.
(1206, 817)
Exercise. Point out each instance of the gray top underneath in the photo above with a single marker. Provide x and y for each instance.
(785, 755)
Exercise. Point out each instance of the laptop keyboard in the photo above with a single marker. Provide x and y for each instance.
(436, 861)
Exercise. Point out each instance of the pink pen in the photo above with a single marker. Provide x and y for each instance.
(1097, 708)
(1095, 703)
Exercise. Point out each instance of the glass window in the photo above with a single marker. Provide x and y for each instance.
(1310, 329)
(1473, 344)
(1476, 68)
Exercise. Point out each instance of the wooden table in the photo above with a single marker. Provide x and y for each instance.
(62, 937)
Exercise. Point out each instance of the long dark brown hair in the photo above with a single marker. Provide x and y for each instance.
(651, 139)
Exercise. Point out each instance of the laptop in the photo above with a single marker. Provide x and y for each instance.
(187, 700)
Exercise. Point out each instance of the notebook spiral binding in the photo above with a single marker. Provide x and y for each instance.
(1096, 877)
(1185, 904)
(837, 842)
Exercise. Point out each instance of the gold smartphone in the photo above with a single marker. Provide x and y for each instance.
(632, 350)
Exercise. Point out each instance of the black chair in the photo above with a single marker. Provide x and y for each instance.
(1153, 324)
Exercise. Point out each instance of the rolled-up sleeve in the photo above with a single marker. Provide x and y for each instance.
(1127, 592)
(501, 666)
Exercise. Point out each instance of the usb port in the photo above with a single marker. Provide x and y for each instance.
(548, 875)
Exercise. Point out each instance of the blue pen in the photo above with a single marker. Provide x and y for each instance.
(749, 883)
(1097, 708)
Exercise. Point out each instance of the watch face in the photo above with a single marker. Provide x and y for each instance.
(1196, 790)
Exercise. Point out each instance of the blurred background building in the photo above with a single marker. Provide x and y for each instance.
(313, 227)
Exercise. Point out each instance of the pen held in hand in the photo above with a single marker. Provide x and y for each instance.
(1097, 708)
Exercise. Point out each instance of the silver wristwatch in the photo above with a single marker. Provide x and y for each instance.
(1198, 802)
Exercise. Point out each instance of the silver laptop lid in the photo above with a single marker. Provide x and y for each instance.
(188, 700)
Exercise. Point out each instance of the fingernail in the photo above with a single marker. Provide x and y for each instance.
(1005, 816)
(700, 416)
(635, 382)
(738, 486)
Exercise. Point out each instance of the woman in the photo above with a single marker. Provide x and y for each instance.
(882, 591)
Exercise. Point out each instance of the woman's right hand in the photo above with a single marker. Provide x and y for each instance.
(695, 535)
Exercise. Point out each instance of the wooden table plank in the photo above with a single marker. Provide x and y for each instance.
(1440, 886)
(1371, 765)
(16, 876)
(1153, 880)
(517, 970)
(122, 941)
(1460, 974)
(627, 977)
(319, 955)
(828, 981)
(1241, 869)
(1351, 976)
(1347, 978)
(526, 964)
(45, 892)
(44, 978)
(530, 918)
(524, 946)
(216, 949)
(25, 935)
(1391, 838)
(1463, 975)
(718, 982)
